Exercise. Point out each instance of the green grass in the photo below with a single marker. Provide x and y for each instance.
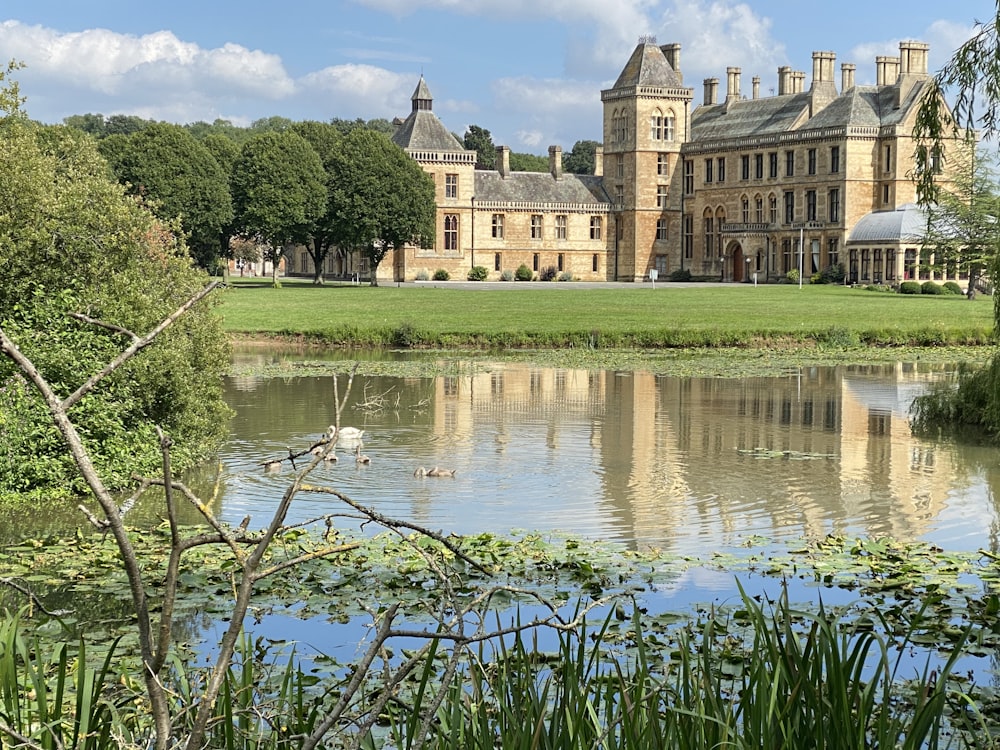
(737, 315)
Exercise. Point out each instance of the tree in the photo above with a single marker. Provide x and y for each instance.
(179, 178)
(226, 151)
(382, 199)
(74, 246)
(581, 158)
(279, 192)
(528, 163)
(479, 140)
(88, 123)
(973, 78)
(963, 225)
(326, 141)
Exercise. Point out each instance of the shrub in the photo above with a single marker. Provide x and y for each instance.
(681, 274)
(548, 274)
(830, 275)
(566, 276)
(405, 335)
(441, 275)
(909, 287)
(423, 275)
(792, 276)
(478, 273)
(950, 287)
(523, 273)
(506, 275)
(930, 287)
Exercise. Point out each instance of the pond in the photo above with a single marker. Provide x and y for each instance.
(687, 465)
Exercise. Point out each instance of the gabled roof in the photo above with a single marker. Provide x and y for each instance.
(540, 187)
(647, 67)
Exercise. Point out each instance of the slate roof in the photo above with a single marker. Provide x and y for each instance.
(647, 67)
(540, 187)
(422, 130)
(906, 223)
(860, 106)
(748, 117)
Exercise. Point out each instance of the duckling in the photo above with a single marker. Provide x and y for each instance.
(439, 472)
(273, 466)
(420, 471)
(331, 457)
(360, 457)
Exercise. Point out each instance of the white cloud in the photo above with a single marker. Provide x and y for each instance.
(361, 90)
(156, 74)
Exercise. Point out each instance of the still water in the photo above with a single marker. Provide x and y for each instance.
(684, 464)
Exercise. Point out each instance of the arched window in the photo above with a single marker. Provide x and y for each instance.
(745, 205)
(720, 219)
(759, 206)
(451, 231)
(656, 125)
(668, 127)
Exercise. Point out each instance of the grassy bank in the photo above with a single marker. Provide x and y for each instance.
(640, 316)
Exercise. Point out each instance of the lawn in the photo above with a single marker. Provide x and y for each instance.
(560, 316)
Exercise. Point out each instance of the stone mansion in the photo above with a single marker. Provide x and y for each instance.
(739, 187)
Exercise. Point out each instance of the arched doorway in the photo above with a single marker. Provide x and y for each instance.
(739, 262)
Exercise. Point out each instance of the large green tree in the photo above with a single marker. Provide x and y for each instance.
(326, 140)
(382, 200)
(581, 158)
(74, 249)
(180, 178)
(480, 140)
(279, 192)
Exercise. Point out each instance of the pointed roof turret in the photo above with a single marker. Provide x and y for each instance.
(648, 66)
(422, 130)
(422, 99)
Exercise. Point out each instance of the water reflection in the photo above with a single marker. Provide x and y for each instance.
(686, 465)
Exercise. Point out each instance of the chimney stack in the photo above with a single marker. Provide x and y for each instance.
(503, 161)
(756, 87)
(555, 161)
(673, 54)
(732, 85)
(711, 90)
(784, 80)
(847, 76)
(599, 161)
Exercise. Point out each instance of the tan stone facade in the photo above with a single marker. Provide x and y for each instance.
(738, 188)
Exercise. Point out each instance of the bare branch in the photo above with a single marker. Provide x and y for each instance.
(33, 598)
(136, 345)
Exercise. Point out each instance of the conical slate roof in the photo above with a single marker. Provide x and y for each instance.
(648, 67)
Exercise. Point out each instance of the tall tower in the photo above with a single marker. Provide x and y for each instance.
(646, 120)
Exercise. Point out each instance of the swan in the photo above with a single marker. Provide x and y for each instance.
(346, 433)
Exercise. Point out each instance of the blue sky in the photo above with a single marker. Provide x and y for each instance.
(530, 72)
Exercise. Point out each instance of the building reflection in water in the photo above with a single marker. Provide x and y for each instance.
(817, 451)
